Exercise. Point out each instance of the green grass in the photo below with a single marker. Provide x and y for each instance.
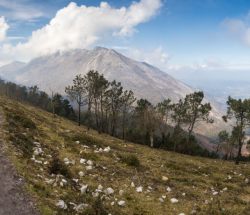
(197, 177)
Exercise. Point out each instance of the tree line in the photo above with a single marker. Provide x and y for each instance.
(56, 103)
(108, 108)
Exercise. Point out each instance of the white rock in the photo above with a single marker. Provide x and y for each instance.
(80, 207)
(132, 184)
(121, 192)
(164, 197)
(37, 151)
(90, 162)
(161, 200)
(84, 188)
(246, 180)
(121, 203)
(169, 189)
(49, 181)
(139, 189)
(64, 181)
(81, 173)
(225, 189)
(75, 180)
(61, 204)
(183, 194)
(215, 193)
(77, 142)
(109, 191)
(164, 178)
(95, 194)
(66, 160)
(112, 203)
(82, 161)
(174, 200)
(181, 214)
(89, 167)
(107, 149)
(100, 187)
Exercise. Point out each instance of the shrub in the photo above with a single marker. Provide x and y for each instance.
(58, 167)
(130, 160)
(23, 143)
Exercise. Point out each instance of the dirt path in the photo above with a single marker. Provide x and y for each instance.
(13, 201)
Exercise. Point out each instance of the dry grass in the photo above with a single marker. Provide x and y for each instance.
(198, 178)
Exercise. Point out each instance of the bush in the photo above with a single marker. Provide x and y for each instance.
(130, 160)
(58, 167)
(22, 120)
(23, 143)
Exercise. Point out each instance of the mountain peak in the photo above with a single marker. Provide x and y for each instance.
(100, 48)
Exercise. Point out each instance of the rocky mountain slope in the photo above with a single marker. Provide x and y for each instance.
(58, 70)
(69, 170)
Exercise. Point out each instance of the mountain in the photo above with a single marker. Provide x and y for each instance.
(54, 72)
(128, 178)
(58, 70)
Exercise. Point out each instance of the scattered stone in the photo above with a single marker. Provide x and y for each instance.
(121, 203)
(161, 200)
(215, 193)
(132, 184)
(112, 203)
(164, 178)
(84, 188)
(100, 187)
(61, 204)
(225, 189)
(107, 149)
(89, 167)
(181, 214)
(174, 200)
(109, 191)
(121, 192)
(49, 181)
(90, 162)
(77, 142)
(246, 180)
(75, 180)
(81, 173)
(82, 161)
(183, 194)
(139, 189)
(80, 207)
(169, 189)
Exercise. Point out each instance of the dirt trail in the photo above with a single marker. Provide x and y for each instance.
(13, 200)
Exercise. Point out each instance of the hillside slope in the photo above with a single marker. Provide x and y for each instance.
(67, 169)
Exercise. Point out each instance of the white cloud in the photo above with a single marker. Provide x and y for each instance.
(240, 28)
(3, 28)
(81, 27)
(20, 10)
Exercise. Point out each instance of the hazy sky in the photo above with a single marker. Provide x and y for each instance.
(166, 33)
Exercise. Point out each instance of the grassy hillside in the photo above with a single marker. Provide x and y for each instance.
(49, 153)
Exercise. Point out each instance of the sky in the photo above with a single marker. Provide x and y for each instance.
(170, 34)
